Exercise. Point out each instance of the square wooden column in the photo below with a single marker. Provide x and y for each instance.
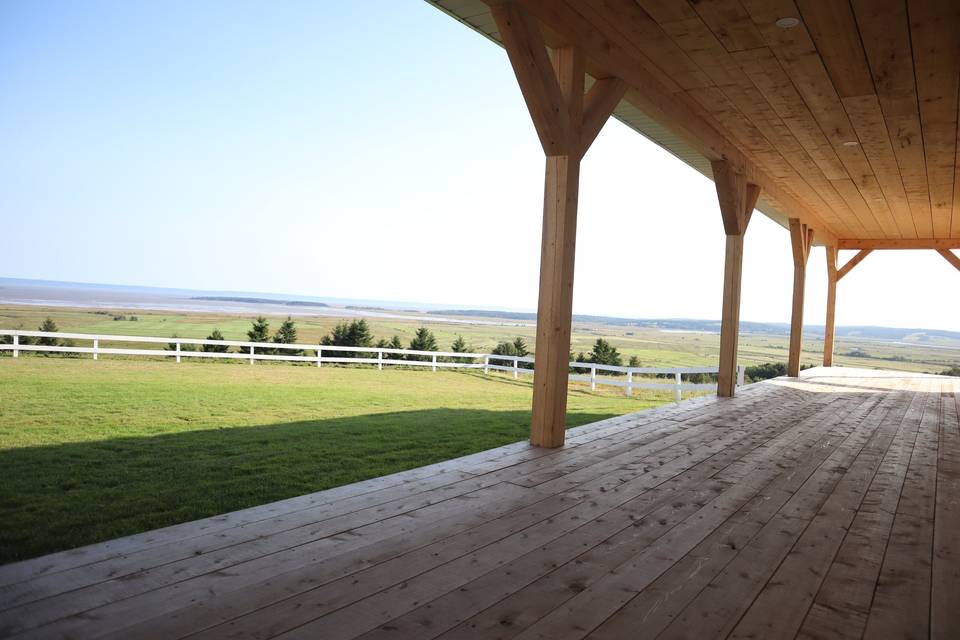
(737, 200)
(830, 323)
(567, 121)
(801, 238)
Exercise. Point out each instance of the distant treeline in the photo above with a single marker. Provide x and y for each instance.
(289, 303)
(713, 326)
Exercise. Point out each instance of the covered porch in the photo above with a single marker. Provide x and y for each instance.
(820, 507)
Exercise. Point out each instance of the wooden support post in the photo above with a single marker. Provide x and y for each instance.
(801, 238)
(830, 324)
(737, 200)
(566, 121)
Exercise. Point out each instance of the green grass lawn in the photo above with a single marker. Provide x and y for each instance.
(95, 450)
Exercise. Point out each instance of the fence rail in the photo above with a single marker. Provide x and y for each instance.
(10, 340)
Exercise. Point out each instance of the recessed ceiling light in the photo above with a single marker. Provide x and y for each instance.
(787, 23)
(851, 143)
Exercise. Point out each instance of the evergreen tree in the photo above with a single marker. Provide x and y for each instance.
(287, 334)
(48, 325)
(634, 362)
(423, 340)
(459, 345)
(260, 332)
(603, 353)
(350, 334)
(359, 334)
(215, 348)
(520, 347)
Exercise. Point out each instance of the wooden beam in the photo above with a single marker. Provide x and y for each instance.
(830, 324)
(601, 100)
(801, 238)
(854, 261)
(950, 257)
(902, 243)
(555, 305)
(737, 198)
(532, 66)
(567, 123)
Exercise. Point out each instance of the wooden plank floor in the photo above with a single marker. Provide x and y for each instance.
(824, 507)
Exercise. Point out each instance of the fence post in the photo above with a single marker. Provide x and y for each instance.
(678, 395)
(593, 378)
(178, 352)
(741, 371)
(434, 363)
(629, 383)
(486, 365)
(516, 368)
(96, 348)
(379, 360)
(251, 354)
(16, 343)
(319, 356)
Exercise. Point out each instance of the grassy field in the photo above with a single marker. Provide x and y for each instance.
(95, 450)
(653, 347)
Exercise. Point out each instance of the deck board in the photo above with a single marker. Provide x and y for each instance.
(819, 507)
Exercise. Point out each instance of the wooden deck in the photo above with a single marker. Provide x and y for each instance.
(825, 507)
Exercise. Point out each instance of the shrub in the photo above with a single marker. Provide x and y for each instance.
(215, 348)
(634, 362)
(48, 341)
(952, 371)
(172, 346)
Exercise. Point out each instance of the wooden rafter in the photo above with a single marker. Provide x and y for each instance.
(650, 92)
(950, 257)
(885, 243)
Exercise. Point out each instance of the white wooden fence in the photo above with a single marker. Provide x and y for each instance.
(324, 354)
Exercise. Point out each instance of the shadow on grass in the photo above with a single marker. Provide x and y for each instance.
(67, 495)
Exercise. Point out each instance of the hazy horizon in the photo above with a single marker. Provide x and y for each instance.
(392, 305)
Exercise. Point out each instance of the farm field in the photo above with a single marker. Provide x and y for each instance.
(93, 450)
(654, 348)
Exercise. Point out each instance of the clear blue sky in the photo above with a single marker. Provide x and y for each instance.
(374, 149)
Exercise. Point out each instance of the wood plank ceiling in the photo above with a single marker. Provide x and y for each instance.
(848, 110)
